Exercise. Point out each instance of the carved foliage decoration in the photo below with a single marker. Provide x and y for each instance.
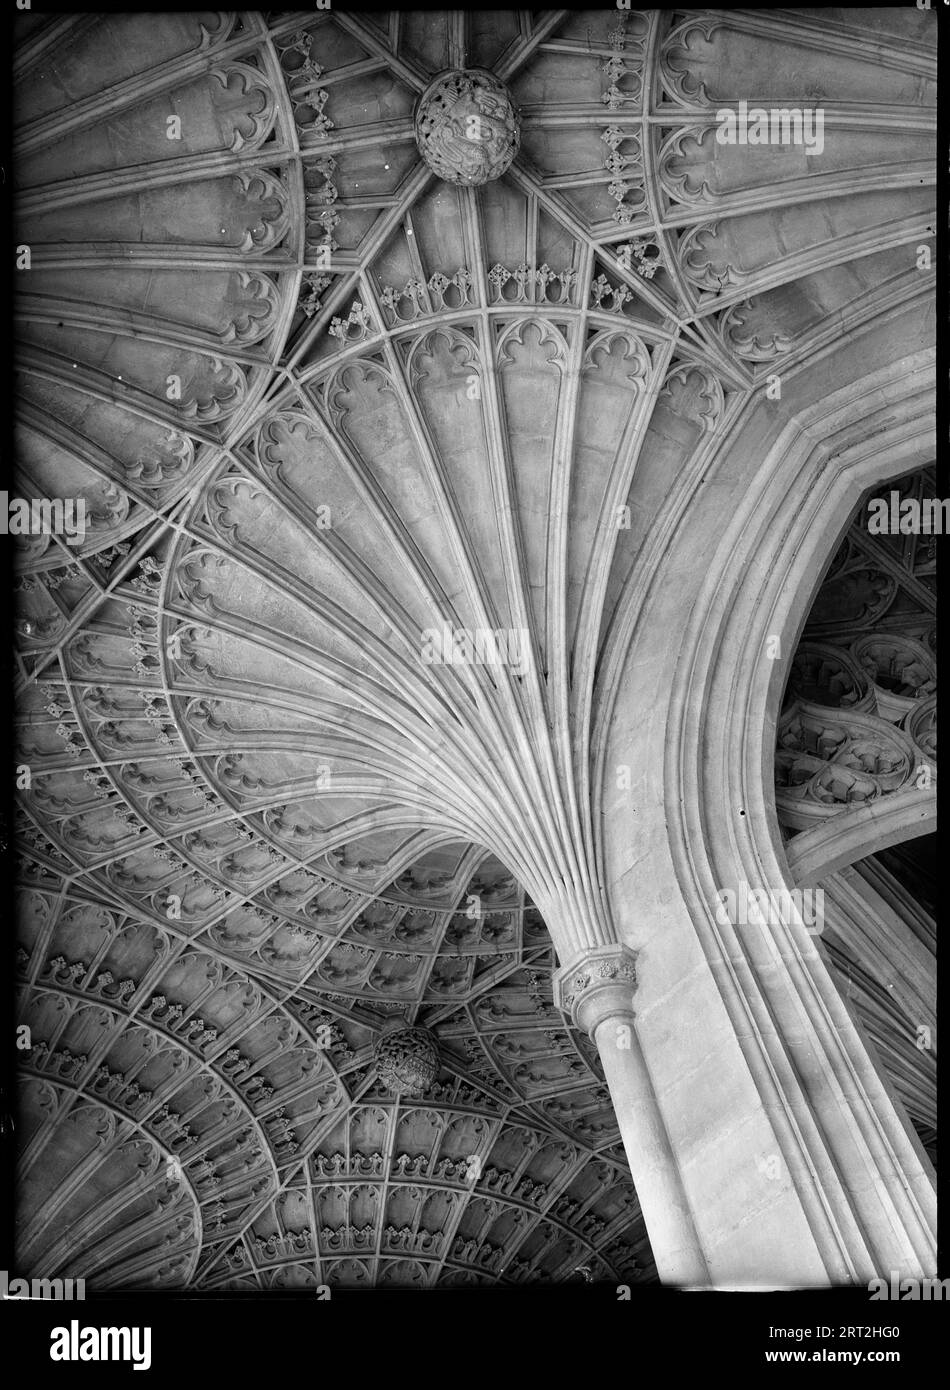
(860, 716)
(303, 72)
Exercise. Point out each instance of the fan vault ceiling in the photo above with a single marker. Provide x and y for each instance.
(319, 404)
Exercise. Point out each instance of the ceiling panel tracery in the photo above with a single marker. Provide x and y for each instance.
(859, 719)
(323, 408)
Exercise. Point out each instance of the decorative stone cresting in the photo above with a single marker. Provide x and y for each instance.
(407, 1059)
(597, 985)
(467, 129)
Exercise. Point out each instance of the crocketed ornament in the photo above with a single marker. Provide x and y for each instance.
(407, 1059)
(467, 129)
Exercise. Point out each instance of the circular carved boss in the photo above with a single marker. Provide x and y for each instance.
(467, 128)
(407, 1059)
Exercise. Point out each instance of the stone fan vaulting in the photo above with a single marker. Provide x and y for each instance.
(329, 410)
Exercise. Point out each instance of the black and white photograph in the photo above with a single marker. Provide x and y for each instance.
(471, 513)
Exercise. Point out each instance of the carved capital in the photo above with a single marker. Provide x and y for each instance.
(596, 985)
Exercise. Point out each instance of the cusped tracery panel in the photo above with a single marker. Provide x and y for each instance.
(859, 722)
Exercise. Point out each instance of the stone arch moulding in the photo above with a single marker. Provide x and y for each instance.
(767, 1059)
(859, 832)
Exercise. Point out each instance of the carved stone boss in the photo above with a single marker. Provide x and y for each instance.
(467, 128)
